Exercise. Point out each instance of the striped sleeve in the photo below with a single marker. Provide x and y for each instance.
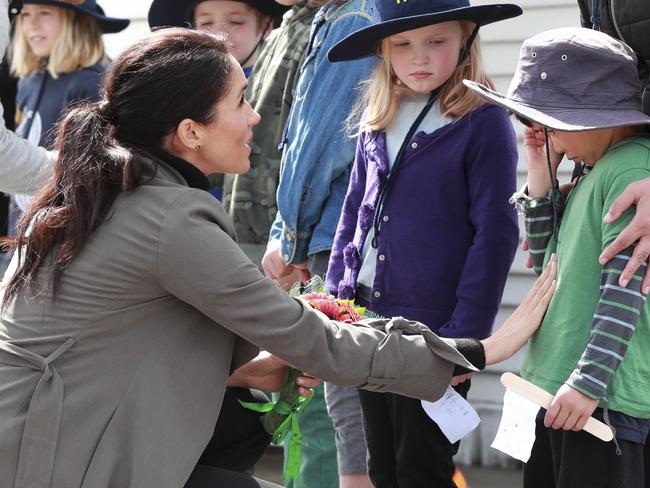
(539, 230)
(538, 219)
(612, 328)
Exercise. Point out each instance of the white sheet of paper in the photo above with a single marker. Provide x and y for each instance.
(516, 433)
(455, 417)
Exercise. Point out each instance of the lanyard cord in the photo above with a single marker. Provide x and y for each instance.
(555, 187)
(392, 173)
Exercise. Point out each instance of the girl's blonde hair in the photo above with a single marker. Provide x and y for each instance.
(79, 46)
(380, 101)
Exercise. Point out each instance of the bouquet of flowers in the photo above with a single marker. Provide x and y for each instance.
(281, 416)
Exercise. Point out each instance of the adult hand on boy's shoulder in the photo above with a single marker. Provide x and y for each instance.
(637, 193)
(569, 409)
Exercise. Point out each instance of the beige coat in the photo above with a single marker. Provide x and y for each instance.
(118, 381)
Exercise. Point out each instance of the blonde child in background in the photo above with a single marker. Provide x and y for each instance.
(426, 230)
(58, 55)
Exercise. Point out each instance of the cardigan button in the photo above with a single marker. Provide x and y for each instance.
(377, 294)
(414, 145)
(385, 218)
(382, 257)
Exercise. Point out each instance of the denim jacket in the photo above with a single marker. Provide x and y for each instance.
(318, 154)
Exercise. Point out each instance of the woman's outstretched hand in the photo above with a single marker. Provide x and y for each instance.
(267, 372)
(524, 321)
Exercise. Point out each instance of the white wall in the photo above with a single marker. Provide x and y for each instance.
(136, 10)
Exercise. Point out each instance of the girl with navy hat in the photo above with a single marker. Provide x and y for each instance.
(58, 53)
(247, 22)
(426, 231)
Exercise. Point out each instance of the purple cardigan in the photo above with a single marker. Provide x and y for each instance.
(448, 234)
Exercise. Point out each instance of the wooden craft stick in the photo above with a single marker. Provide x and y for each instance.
(542, 398)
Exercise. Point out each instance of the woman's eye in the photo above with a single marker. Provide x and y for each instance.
(205, 25)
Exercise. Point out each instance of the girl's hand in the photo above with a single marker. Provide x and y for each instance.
(539, 182)
(457, 380)
(524, 321)
(569, 410)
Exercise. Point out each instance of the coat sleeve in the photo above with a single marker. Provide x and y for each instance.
(222, 283)
(491, 166)
(23, 166)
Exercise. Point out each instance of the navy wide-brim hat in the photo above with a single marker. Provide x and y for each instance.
(573, 79)
(178, 13)
(109, 25)
(395, 16)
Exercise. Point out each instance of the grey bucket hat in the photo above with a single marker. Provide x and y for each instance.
(573, 79)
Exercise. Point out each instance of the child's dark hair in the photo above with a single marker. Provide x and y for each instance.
(523, 120)
(169, 76)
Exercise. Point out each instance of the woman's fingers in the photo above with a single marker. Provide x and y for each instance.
(637, 193)
(625, 200)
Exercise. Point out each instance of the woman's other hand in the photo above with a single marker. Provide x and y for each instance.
(638, 193)
(524, 321)
(267, 372)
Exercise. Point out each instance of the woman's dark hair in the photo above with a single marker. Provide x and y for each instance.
(169, 76)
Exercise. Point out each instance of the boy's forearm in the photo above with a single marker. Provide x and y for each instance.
(539, 181)
(613, 326)
(538, 219)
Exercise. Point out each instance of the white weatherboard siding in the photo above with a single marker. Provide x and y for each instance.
(501, 43)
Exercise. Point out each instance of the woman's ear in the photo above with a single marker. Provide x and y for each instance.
(188, 135)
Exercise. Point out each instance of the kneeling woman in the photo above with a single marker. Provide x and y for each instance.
(128, 307)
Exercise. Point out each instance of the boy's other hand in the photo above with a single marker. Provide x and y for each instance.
(535, 148)
(638, 193)
(539, 180)
(569, 410)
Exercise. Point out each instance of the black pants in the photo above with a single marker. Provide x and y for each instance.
(239, 440)
(646, 454)
(210, 477)
(561, 459)
(406, 449)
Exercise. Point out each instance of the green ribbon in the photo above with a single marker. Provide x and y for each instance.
(289, 424)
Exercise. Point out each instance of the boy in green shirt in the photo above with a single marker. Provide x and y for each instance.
(578, 92)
